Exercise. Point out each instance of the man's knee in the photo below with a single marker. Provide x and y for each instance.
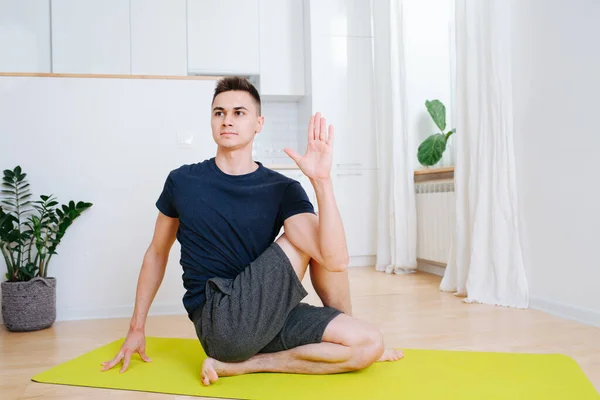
(365, 340)
(368, 349)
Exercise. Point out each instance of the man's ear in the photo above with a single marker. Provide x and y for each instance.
(260, 123)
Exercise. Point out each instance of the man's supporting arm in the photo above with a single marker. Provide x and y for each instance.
(150, 278)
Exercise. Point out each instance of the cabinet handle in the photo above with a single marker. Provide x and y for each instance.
(350, 174)
(356, 163)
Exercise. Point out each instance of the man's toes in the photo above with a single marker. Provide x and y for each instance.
(209, 375)
(212, 375)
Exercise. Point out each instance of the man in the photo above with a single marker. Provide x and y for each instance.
(243, 283)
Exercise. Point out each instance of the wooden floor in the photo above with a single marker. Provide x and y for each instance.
(409, 309)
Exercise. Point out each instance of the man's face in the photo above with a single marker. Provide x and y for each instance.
(235, 119)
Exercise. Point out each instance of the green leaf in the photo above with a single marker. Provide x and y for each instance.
(437, 110)
(9, 192)
(9, 174)
(450, 133)
(431, 150)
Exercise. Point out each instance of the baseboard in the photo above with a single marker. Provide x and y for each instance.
(583, 315)
(362, 261)
(430, 268)
(73, 314)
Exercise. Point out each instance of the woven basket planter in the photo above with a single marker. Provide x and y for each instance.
(29, 306)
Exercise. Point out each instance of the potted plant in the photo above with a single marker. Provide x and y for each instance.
(431, 149)
(28, 240)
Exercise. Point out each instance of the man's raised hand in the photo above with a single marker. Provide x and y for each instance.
(316, 163)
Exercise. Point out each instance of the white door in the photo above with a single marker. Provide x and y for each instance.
(90, 37)
(356, 196)
(223, 37)
(24, 36)
(341, 17)
(342, 86)
(158, 37)
(281, 48)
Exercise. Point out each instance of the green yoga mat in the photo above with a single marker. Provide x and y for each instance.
(422, 374)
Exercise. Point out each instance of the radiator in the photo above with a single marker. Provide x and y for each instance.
(436, 212)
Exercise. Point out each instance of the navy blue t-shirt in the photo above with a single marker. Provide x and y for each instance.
(226, 221)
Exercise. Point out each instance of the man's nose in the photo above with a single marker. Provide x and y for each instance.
(227, 121)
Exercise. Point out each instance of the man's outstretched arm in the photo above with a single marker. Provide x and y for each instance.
(330, 250)
(150, 278)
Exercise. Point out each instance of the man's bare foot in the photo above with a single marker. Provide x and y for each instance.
(391, 355)
(209, 372)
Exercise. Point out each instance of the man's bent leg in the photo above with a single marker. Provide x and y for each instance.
(297, 257)
(348, 345)
(333, 288)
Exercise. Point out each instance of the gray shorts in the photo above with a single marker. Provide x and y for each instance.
(260, 311)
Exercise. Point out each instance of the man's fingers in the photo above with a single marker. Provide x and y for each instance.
(109, 364)
(144, 355)
(311, 128)
(126, 361)
(323, 130)
(293, 155)
(330, 136)
(317, 125)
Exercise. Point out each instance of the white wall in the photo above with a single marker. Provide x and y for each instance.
(427, 30)
(111, 142)
(556, 98)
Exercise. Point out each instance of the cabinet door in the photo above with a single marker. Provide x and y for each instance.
(24, 36)
(342, 89)
(223, 37)
(158, 37)
(281, 48)
(91, 36)
(341, 17)
(356, 196)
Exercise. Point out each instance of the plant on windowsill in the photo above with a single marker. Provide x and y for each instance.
(431, 149)
(27, 243)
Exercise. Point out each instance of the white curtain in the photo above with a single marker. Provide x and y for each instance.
(486, 263)
(397, 223)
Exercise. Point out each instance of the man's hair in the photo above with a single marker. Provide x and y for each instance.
(238, 83)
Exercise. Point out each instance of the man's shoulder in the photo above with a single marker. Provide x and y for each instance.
(185, 170)
(274, 175)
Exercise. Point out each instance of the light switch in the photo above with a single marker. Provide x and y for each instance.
(185, 138)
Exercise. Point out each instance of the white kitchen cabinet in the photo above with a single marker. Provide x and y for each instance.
(341, 17)
(281, 48)
(356, 197)
(91, 36)
(24, 36)
(158, 37)
(342, 90)
(223, 37)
